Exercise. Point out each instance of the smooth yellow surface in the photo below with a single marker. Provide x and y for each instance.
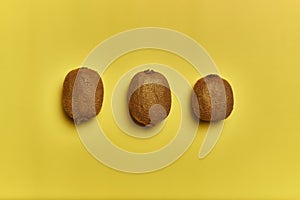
(256, 46)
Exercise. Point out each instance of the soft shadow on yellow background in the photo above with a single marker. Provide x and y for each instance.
(255, 45)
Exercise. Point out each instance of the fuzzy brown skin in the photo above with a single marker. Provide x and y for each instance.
(212, 99)
(149, 98)
(85, 101)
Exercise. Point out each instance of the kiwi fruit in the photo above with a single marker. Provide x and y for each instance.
(212, 99)
(149, 98)
(82, 94)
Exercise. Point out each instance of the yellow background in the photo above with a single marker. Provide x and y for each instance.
(256, 46)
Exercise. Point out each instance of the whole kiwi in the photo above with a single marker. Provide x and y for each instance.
(82, 94)
(212, 99)
(149, 98)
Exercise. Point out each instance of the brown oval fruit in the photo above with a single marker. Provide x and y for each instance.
(212, 99)
(82, 94)
(149, 98)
